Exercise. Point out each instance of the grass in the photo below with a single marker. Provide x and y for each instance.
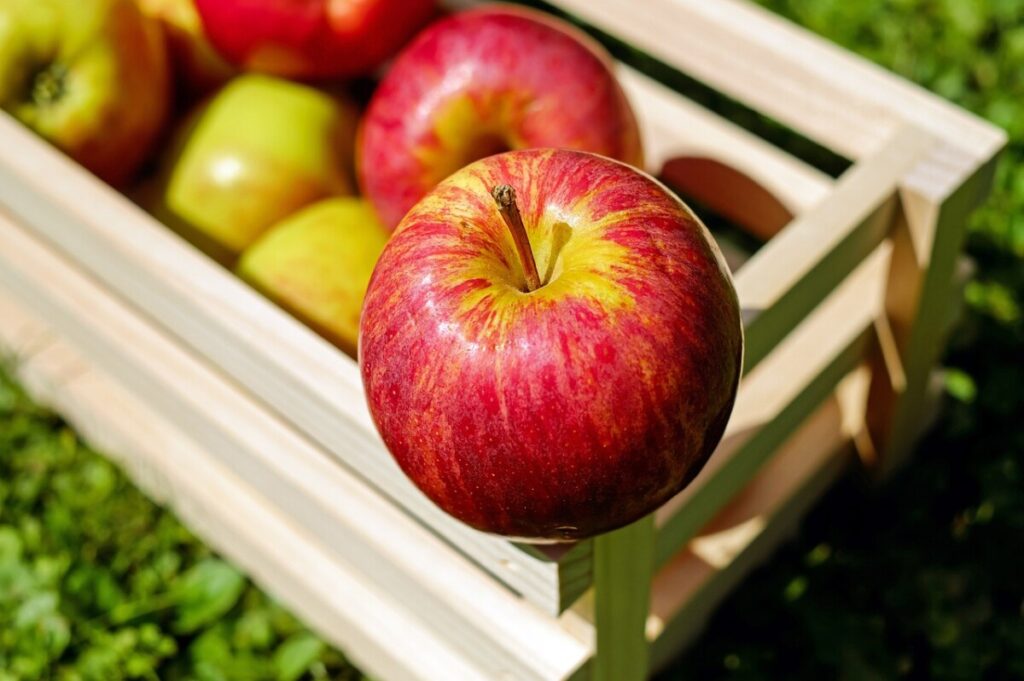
(919, 579)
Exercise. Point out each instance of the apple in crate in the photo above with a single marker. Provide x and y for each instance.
(550, 344)
(316, 264)
(481, 82)
(312, 38)
(89, 76)
(257, 151)
(198, 67)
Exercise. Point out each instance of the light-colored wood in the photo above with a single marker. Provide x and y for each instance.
(307, 380)
(777, 396)
(484, 623)
(171, 468)
(817, 88)
(673, 126)
(623, 567)
(687, 589)
(927, 241)
(789, 276)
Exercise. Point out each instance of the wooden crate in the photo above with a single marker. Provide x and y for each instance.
(256, 432)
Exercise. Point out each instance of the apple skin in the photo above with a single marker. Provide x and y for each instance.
(484, 81)
(317, 263)
(312, 38)
(573, 409)
(198, 67)
(89, 76)
(257, 151)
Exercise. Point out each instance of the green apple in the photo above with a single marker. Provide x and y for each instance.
(257, 151)
(90, 76)
(317, 264)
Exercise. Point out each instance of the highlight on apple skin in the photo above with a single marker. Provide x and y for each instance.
(312, 38)
(249, 156)
(484, 81)
(90, 76)
(572, 409)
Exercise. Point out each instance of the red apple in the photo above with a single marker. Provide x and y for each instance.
(565, 407)
(312, 38)
(481, 82)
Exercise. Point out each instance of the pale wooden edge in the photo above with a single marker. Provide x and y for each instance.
(480, 619)
(687, 589)
(792, 273)
(305, 379)
(673, 126)
(928, 239)
(819, 89)
(777, 396)
(623, 568)
(340, 605)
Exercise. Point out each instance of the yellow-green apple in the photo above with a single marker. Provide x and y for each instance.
(316, 264)
(90, 76)
(312, 38)
(257, 151)
(198, 67)
(550, 344)
(484, 81)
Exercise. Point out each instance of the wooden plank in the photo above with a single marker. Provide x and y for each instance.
(21, 335)
(343, 607)
(482, 621)
(688, 588)
(673, 126)
(793, 272)
(777, 396)
(817, 88)
(928, 239)
(297, 373)
(623, 567)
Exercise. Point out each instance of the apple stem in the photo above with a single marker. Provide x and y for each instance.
(505, 196)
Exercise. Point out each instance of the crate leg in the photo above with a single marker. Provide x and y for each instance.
(623, 569)
(927, 238)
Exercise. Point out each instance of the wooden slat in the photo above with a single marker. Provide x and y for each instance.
(927, 241)
(817, 88)
(304, 378)
(673, 126)
(687, 589)
(791, 274)
(344, 607)
(777, 396)
(623, 568)
(483, 622)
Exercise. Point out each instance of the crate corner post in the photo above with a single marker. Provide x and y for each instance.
(623, 569)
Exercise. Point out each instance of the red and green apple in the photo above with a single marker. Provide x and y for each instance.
(257, 151)
(312, 38)
(484, 81)
(316, 264)
(90, 76)
(550, 344)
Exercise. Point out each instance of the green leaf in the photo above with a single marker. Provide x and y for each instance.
(205, 593)
(10, 546)
(295, 656)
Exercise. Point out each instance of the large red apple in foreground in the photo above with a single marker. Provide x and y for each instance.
(481, 82)
(573, 408)
(312, 38)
